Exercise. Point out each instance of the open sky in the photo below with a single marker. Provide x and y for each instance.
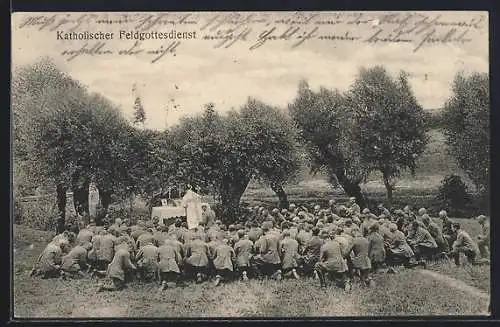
(199, 74)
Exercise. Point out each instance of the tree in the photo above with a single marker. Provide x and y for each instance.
(139, 112)
(390, 125)
(278, 156)
(222, 154)
(466, 118)
(42, 95)
(64, 134)
(327, 129)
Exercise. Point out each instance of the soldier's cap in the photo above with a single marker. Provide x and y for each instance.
(283, 211)
(317, 207)
(267, 225)
(331, 202)
(275, 211)
(481, 218)
(426, 218)
(323, 233)
(422, 211)
(442, 213)
(292, 206)
(365, 211)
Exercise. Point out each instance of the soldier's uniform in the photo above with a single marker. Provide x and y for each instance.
(147, 262)
(289, 252)
(332, 264)
(243, 250)
(117, 269)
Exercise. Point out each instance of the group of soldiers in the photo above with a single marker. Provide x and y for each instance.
(337, 243)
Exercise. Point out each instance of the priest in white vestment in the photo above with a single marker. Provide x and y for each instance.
(192, 202)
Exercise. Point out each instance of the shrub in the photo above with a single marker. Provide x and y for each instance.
(133, 214)
(453, 196)
(40, 214)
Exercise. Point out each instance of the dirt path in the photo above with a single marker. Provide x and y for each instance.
(459, 285)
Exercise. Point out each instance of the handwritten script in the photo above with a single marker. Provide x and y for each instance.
(156, 36)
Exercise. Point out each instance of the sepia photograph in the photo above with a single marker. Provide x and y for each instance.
(250, 164)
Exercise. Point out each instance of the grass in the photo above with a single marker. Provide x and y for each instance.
(418, 296)
(406, 293)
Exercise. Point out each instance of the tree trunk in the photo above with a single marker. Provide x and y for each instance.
(230, 198)
(105, 199)
(81, 200)
(351, 189)
(61, 200)
(282, 196)
(104, 202)
(61, 206)
(389, 188)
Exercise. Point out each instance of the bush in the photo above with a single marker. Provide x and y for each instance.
(453, 196)
(40, 214)
(132, 214)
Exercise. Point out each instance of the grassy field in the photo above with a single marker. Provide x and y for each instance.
(407, 293)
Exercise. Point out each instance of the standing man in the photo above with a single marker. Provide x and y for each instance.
(483, 240)
(208, 215)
